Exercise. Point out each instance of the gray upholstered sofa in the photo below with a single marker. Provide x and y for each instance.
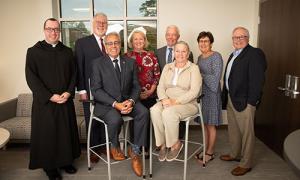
(15, 117)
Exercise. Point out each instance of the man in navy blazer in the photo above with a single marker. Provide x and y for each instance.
(172, 35)
(86, 50)
(116, 90)
(243, 83)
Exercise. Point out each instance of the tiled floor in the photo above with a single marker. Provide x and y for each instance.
(268, 166)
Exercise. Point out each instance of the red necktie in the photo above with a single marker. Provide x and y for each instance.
(102, 46)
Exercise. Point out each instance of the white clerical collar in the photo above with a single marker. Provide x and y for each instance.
(53, 45)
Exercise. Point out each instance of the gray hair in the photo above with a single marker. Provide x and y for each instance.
(112, 34)
(98, 14)
(173, 27)
(184, 43)
(242, 28)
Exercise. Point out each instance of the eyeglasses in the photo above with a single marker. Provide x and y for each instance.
(50, 30)
(101, 22)
(116, 43)
(239, 38)
(204, 41)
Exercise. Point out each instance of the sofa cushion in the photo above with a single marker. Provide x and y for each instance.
(19, 127)
(82, 130)
(80, 121)
(24, 105)
(78, 106)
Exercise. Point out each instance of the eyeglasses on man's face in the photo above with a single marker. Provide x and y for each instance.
(50, 30)
(204, 41)
(116, 43)
(239, 38)
(101, 22)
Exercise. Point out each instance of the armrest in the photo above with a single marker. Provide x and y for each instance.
(8, 109)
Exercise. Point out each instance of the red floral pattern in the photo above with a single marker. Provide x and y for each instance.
(148, 68)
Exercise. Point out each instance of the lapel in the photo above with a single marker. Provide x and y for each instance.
(123, 71)
(238, 59)
(110, 65)
(95, 45)
(229, 59)
(164, 54)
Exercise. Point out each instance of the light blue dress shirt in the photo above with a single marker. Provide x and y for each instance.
(229, 66)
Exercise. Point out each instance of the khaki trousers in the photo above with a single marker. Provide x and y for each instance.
(241, 133)
(166, 121)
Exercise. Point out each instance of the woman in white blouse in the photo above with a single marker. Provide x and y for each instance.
(178, 89)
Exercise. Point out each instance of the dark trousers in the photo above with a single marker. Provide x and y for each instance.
(148, 103)
(97, 129)
(114, 121)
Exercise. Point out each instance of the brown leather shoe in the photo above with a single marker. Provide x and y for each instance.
(117, 154)
(94, 158)
(130, 152)
(137, 166)
(240, 171)
(227, 157)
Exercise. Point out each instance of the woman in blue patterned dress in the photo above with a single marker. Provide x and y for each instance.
(211, 65)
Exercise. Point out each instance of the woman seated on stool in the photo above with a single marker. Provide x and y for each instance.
(178, 89)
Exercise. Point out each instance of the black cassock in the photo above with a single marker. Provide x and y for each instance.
(54, 134)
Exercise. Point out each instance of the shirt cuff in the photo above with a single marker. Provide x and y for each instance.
(133, 103)
(113, 104)
(82, 92)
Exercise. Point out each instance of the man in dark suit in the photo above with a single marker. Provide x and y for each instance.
(165, 55)
(86, 50)
(243, 82)
(115, 87)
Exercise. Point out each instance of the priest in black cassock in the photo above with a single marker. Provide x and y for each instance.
(51, 76)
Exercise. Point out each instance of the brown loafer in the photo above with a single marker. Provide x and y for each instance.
(94, 158)
(227, 157)
(240, 171)
(117, 154)
(136, 165)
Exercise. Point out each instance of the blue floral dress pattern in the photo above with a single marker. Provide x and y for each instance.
(211, 70)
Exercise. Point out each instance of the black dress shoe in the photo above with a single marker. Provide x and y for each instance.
(55, 178)
(70, 169)
(53, 174)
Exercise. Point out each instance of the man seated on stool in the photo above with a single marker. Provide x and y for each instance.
(115, 87)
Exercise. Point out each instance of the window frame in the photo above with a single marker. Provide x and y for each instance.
(58, 12)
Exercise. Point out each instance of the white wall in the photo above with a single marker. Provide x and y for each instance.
(21, 27)
(217, 16)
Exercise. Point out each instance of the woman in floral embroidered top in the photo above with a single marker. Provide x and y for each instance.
(148, 68)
